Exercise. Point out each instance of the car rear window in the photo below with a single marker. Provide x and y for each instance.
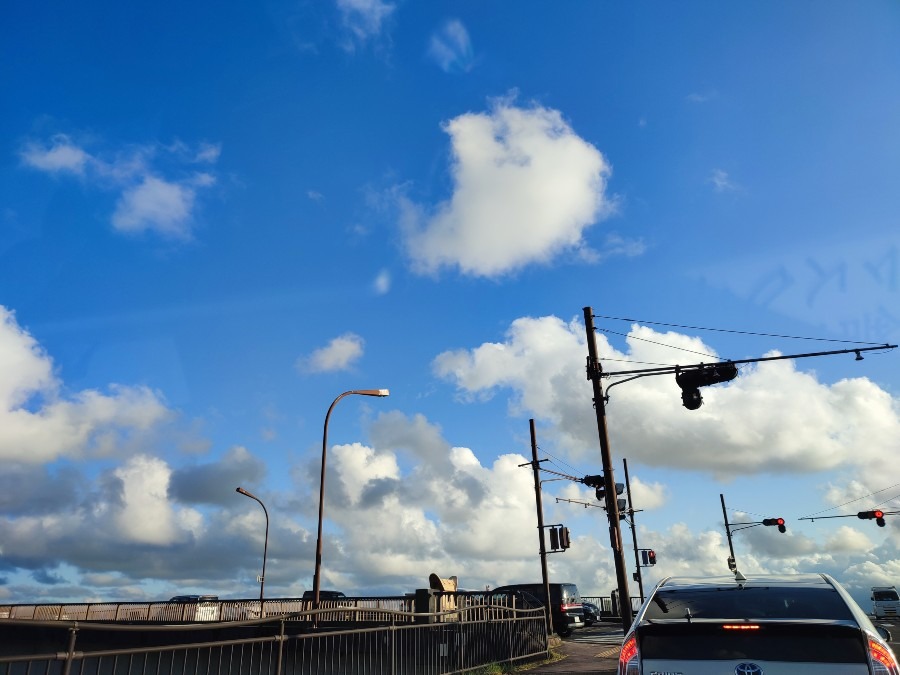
(570, 593)
(798, 643)
(749, 602)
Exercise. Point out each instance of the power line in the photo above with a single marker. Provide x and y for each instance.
(661, 344)
(858, 499)
(740, 332)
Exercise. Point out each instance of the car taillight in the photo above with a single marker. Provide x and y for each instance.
(883, 661)
(628, 658)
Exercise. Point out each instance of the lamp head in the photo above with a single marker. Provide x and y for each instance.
(373, 392)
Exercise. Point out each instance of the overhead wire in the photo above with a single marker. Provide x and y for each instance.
(740, 332)
(858, 499)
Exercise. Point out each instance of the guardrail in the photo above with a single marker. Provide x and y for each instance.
(412, 643)
(379, 608)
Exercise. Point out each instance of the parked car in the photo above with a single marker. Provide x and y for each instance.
(329, 600)
(591, 613)
(754, 624)
(187, 608)
(323, 595)
(565, 603)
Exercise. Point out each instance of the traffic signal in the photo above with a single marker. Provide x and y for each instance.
(593, 481)
(775, 521)
(877, 515)
(651, 557)
(559, 538)
(690, 381)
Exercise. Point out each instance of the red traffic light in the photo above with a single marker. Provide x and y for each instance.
(651, 557)
(876, 514)
(775, 522)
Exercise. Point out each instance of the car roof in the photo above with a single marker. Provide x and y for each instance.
(729, 581)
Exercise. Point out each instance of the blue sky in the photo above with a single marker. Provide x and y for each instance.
(216, 218)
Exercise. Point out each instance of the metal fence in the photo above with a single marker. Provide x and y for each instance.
(381, 608)
(303, 643)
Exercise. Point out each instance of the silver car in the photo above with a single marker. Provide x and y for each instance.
(754, 625)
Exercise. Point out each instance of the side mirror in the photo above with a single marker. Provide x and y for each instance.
(884, 633)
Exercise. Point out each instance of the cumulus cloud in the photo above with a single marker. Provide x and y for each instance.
(39, 424)
(772, 418)
(339, 354)
(526, 187)
(451, 47)
(148, 200)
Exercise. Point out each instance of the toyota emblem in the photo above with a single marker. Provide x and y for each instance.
(748, 669)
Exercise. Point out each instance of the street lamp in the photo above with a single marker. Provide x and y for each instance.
(318, 571)
(262, 578)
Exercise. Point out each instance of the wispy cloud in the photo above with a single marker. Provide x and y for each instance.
(382, 283)
(451, 48)
(363, 19)
(148, 201)
(60, 156)
(701, 97)
(721, 181)
(339, 354)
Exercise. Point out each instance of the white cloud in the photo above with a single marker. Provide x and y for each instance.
(721, 182)
(339, 354)
(772, 418)
(146, 515)
(156, 205)
(451, 47)
(526, 187)
(59, 155)
(382, 283)
(38, 424)
(848, 540)
(148, 202)
(364, 19)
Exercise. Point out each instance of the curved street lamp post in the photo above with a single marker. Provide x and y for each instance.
(262, 578)
(318, 571)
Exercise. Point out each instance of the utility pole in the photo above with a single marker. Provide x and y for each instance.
(637, 561)
(535, 467)
(732, 562)
(594, 373)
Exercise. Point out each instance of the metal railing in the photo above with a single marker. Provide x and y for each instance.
(467, 638)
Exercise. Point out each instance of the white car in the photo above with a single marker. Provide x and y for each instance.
(754, 625)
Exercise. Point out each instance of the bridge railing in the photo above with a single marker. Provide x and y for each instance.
(294, 644)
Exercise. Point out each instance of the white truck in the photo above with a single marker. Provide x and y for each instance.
(885, 602)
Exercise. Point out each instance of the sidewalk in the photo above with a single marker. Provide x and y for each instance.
(580, 657)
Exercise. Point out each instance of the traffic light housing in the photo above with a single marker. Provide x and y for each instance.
(593, 481)
(877, 515)
(691, 380)
(776, 521)
(559, 538)
(651, 557)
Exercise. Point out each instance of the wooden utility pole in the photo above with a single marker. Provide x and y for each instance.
(594, 372)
